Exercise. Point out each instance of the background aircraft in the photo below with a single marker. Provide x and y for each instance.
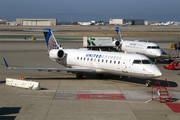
(151, 50)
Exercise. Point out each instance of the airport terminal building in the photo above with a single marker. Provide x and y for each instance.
(124, 21)
(36, 22)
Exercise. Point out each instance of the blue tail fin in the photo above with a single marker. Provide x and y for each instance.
(118, 34)
(50, 39)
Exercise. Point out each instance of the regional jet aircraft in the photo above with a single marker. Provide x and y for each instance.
(148, 49)
(100, 62)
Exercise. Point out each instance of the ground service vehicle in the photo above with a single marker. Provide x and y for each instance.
(101, 43)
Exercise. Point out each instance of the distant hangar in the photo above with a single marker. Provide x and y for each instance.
(36, 22)
(124, 21)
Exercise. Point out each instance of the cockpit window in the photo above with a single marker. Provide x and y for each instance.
(142, 62)
(151, 62)
(146, 62)
(153, 47)
(137, 62)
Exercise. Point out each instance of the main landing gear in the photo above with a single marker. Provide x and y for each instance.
(99, 76)
(79, 75)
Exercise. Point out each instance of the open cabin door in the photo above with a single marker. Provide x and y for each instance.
(124, 65)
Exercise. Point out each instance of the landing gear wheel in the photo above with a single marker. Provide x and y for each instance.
(148, 83)
(79, 75)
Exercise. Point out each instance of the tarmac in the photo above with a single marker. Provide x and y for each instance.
(63, 97)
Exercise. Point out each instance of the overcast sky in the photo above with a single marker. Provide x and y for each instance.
(87, 10)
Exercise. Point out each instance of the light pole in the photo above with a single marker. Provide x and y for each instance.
(71, 19)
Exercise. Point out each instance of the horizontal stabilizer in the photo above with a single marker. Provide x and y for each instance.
(45, 30)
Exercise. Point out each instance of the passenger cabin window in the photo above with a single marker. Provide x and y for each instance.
(87, 59)
(91, 59)
(110, 61)
(137, 62)
(77, 58)
(102, 60)
(106, 61)
(118, 62)
(81, 58)
(84, 58)
(114, 62)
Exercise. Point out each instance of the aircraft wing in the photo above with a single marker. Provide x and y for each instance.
(74, 69)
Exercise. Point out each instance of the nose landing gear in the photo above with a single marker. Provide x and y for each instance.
(148, 83)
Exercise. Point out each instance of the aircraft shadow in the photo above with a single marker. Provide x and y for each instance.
(7, 117)
(165, 84)
(86, 76)
(2, 82)
(8, 110)
(143, 81)
(92, 76)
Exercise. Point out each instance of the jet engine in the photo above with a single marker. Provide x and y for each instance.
(56, 54)
(115, 43)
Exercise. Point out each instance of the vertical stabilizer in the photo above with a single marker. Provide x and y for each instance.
(118, 34)
(50, 40)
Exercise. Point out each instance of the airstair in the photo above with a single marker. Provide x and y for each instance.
(164, 93)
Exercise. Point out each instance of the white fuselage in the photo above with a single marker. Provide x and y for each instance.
(150, 50)
(110, 63)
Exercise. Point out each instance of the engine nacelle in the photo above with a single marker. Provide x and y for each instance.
(56, 54)
(115, 43)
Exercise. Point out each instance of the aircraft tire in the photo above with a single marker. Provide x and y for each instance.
(79, 75)
(148, 83)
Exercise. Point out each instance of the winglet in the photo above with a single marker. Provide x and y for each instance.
(5, 62)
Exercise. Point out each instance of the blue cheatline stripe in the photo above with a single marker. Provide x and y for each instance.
(5, 62)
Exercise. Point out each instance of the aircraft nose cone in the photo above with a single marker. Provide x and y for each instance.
(157, 73)
(159, 54)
